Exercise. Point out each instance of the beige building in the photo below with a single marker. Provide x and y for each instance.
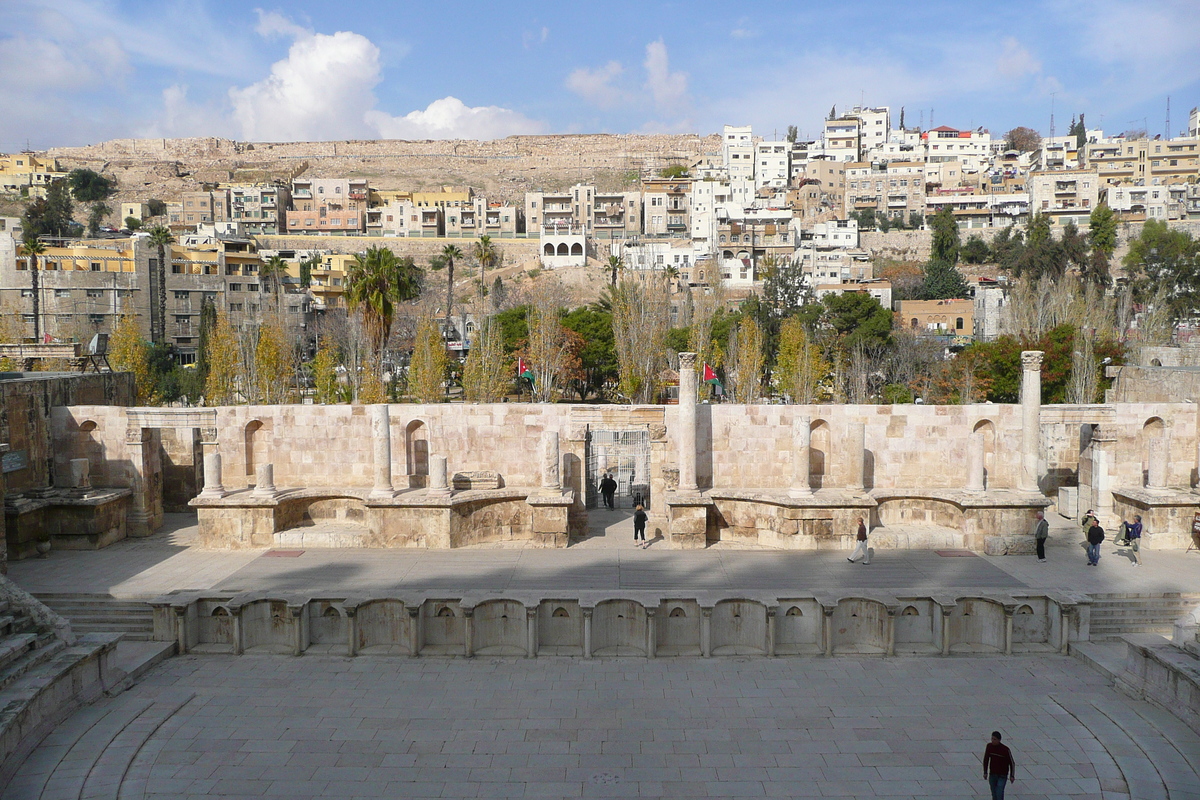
(667, 207)
(939, 317)
(843, 138)
(261, 208)
(25, 172)
(328, 206)
(1065, 195)
(896, 189)
(1145, 162)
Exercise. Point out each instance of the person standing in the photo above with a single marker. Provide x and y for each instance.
(608, 488)
(861, 550)
(1095, 536)
(1133, 536)
(998, 766)
(1041, 532)
(639, 525)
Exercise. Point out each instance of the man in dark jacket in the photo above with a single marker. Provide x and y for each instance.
(1095, 536)
(608, 488)
(1041, 531)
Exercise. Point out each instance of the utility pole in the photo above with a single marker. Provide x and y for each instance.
(1167, 129)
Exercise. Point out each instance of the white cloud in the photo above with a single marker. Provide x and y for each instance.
(531, 38)
(669, 89)
(596, 85)
(272, 24)
(450, 118)
(1015, 61)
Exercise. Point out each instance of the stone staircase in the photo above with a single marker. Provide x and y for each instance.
(102, 613)
(1114, 615)
(22, 646)
(100, 752)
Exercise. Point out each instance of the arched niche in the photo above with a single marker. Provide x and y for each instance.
(820, 440)
(500, 628)
(1153, 428)
(416, 453)
(738, 628)
(383, 628)
(619, 628)
(988, 429)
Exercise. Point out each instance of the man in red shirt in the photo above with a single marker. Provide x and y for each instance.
(998, 766)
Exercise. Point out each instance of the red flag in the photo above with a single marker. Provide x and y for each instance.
(709, 375)
(523, 370)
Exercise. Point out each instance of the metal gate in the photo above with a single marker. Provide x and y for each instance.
(626, 454)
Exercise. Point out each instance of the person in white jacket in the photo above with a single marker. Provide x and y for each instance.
(861, 551)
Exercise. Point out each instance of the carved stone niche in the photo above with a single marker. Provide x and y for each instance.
(670, 478)
(658, 432)
(478, 479)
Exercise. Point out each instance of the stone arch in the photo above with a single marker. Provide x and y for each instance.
(91, 447)
(738, 627)
(727, 254)
(561, 612)
(500, 628)
(548, 250)
(619, 628)
(820, 440)
(988, 429)
(253, 444)
(383, 627)
(910, 611)
(577, 249)
(721, 238)
(958, 323)
(742, 254)
(678, 628)
(562, 249)
(794, 611)
(677, 612)
(1152, 428)
(1154, 362)
(915, 322)
(416, 453)
(326, 627)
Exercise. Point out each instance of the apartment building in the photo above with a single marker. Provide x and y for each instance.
(328, 206)
(987, 206)
(821, 190)
(843, 138)
(87, 286)
(737, 152)
(261, 208)
(745, 237)
(877, 288)
(771, 165)
(1064, 196)
(972, 148)
(895, 189)
(199, 208)
(26, 173)
(667, 206)
(1161, 202)
(1057, 152)
(560, 212)
(875, 127)
(939, 317)
(1145, 162)
(828, 253)
(139, 211)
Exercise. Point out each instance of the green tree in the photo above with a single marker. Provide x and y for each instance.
(486, 254)
(484, 373)
(784, 285)
(1022, 139)
(1102, 230)
(272, 365)
(673, 171)
(856, 317)
(376, 281)
(799, 369)
(133, 223)
(271, 273)
(449, 253)
(208, 324)
(792, 134)
(96, 215)
(89, 186)
(33, 249)
(325, 378)
(943, 282)
(975, 251)
(306, 270)
(614, 265)
(427, 370)
(50, 215)
(161, 238)
(1168, 260)
(945, 245)
(598, 356)
(157, 208)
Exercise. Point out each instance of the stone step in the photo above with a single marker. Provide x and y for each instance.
(1134, 761)
(1161, 745)
(89, 755)
(14, 647)
(40, 652)
(95, 613)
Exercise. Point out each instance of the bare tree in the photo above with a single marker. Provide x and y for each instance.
(1085, 378)
(641, 319)
(744, 362)
(548, 344)
(704, 309)
(484, 375)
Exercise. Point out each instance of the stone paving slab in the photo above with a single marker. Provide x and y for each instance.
(170, 561)
(318, 726)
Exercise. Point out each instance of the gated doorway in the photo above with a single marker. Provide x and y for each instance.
(626, 454)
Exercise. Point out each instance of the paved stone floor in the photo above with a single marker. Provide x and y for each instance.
(607, 560)
(322, 727)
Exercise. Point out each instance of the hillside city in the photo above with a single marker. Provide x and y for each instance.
(876, 226)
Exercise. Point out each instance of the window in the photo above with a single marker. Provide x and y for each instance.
(235, 287)
(251, 287)
(95, 293)
(126, 293)
(94, 266)
(235, 306)
(182, 319)
(96, 319)
(62, 292)
(27, 293)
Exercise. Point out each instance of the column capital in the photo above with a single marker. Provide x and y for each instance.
(687, 361)
(1031, 360)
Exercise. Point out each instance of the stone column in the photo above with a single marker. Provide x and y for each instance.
(1157, 461)
(801, 452)
(351, 631)
(1031, 418)
(1008, 629)
(827, 628)
(381, 451)
(706, 632)
(212, 476)
(299, 640)
(891, 630)
(264, 481)
(651, 633)
(438, 486)
(587, 632)
(415, 631)
(139, 518)
(551, 474)
(772, 614)
(531, 642)
(468, 633)
(687, 424)
(975, 460)
(946, 630)
(856, 453)
(1103, 445)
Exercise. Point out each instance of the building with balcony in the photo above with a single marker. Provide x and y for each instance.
(328, 206)
(261, 208)
(972, 148)
(1136, 203)
(746, 237)
(1145, 162)
(25, 173)
(666, 207)
(953, 318)
(1064, 196)
(894, 190)
(772, 166)
(843, 139)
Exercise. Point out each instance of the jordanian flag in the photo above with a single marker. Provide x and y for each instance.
(523, 370)
(711, 377)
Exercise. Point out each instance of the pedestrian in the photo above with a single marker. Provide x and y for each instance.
(1133, 537)
(998, 766)
(1095, 536)
(1041, 531)
(608, 488)
(1088, 520)
(639, 525)
(861, 550)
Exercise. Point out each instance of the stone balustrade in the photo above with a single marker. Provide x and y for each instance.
(636, 624)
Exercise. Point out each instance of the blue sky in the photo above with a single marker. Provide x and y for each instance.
(80, 71)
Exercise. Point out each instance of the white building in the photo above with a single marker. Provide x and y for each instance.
(563, 249)
(737, 152)
(972, 148)
(771, 165)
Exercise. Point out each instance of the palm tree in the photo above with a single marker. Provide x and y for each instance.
(485, 254)
(160, 237)
(33, 249)
(449, 253)
(375, 282)
(274, 269)
(614, 265)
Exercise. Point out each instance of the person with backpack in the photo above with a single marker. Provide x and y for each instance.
(1133, 538)
(1095, 536)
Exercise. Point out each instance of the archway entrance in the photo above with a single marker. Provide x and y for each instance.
(624, 453)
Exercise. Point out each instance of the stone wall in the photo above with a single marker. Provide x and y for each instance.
(26, 401)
